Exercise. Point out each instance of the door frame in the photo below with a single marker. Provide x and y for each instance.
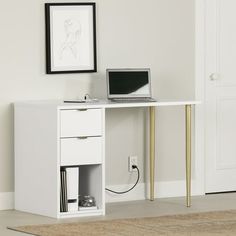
(199, 143)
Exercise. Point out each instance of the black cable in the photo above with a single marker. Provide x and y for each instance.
(112, 191)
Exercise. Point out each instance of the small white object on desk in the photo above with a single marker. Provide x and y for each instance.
(75, 101)
(82, 101)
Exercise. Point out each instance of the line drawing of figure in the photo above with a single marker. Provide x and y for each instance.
(72, 34)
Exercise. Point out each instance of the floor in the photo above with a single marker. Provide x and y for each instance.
(133, 209)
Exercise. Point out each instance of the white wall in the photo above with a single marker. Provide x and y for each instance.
(130, 33)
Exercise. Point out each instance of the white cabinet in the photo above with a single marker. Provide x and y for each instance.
(51, 137)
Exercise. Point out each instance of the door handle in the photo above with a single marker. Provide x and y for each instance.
(82, 137)
(214, 76)
(83, 109)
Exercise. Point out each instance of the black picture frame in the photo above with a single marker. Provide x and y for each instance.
(70, 37)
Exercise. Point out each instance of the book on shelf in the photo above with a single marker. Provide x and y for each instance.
(61, 195)
(63, 192)
(72, 188)
(69, 192)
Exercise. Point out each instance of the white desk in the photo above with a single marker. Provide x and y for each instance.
(31, 115)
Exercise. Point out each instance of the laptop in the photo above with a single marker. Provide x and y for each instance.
(129, 85)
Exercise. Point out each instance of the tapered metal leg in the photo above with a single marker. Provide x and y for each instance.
(188, 154)
(152, 152)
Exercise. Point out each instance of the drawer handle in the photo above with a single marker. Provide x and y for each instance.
(82, 109)
(82, 137)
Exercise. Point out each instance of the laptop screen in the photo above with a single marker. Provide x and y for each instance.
(128, 83)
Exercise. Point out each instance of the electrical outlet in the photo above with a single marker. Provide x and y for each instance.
(133, 160)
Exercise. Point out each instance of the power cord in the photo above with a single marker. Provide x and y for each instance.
(112, 191)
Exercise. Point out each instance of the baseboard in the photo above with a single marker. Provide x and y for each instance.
(163, 189)
(167, 189)
(7, 201)
(138, 193)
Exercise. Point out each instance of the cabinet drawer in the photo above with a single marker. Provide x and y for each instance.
(76, 123)
(81, 151)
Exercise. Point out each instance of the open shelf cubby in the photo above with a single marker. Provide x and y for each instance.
(90, 184)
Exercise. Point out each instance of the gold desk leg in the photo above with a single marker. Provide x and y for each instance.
(188, 154)
(152, 152)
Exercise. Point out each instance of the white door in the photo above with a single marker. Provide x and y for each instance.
(220, 95)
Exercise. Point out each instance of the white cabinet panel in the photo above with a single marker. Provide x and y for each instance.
(81, 151)
(81, 122)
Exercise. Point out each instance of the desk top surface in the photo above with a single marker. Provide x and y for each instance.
(106, 104)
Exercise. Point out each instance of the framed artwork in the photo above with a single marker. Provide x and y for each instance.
(70, 37)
